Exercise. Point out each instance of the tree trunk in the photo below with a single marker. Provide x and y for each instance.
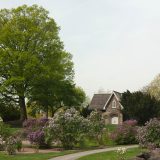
(52, 112)
(23, 110)
(46, 112)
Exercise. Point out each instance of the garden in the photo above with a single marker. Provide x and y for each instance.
(37, 80)
(69, 132)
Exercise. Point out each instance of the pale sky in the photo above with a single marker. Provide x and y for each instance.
(115, 43)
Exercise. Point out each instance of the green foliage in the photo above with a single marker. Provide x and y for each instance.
(154, 88)
(5, 131)
(8, 112)
(33, 62)
(137, 103)
(19, 144)
(96, 126)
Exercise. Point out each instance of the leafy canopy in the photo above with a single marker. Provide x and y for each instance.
(31, 53)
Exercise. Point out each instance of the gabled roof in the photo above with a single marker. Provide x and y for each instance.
(118, 97)
(98, 101)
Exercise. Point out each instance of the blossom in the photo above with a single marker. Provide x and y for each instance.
(121, 150)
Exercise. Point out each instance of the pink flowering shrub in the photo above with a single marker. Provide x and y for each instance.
(125, 133)
(149, 135)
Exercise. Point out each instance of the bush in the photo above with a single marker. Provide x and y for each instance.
(68, 127)
(34, 132)
(96, 126)
(5, 131)
(125, 133)
(37, 138)
(1, 143)
(149, 135)
(11, 145)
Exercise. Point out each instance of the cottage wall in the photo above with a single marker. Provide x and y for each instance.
(111, 112)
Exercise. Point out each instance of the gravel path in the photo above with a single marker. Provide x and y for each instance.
(75, 156)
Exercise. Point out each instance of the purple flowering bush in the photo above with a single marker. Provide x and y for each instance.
(149, 135)
(34, 131)
(37, 137)
(125, 133)
(68, 127)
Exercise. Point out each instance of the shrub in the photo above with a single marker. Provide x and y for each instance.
(4, 131)
(125, 133)
(1, 143)
(96, 126)
(37, 138)
(18, 144)
(11, 145)
(149, 135)
(34, 131)
(68, 127)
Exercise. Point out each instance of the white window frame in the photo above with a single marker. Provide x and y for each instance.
(114, 104)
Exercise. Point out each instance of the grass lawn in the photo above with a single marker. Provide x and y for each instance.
(14, 130)
(111, 155)
(35, 156)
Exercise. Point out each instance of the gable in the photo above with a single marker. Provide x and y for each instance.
(114, 96)
(98, 101)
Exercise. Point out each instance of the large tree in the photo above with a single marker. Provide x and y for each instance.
(31, 53)
(139, 106)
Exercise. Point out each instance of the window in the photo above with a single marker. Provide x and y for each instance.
(114, 104)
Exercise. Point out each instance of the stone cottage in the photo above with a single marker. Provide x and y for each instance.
(109, 105)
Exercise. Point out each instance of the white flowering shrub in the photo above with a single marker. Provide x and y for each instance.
(96, 126)
(11, 145)
(149, 135)
(121, 153)
(68, 127)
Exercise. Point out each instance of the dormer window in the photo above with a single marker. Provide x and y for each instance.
(114, 104)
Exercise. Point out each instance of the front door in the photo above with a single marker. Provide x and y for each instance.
(114, 120)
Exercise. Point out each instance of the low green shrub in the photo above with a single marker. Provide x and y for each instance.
(5, 131)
